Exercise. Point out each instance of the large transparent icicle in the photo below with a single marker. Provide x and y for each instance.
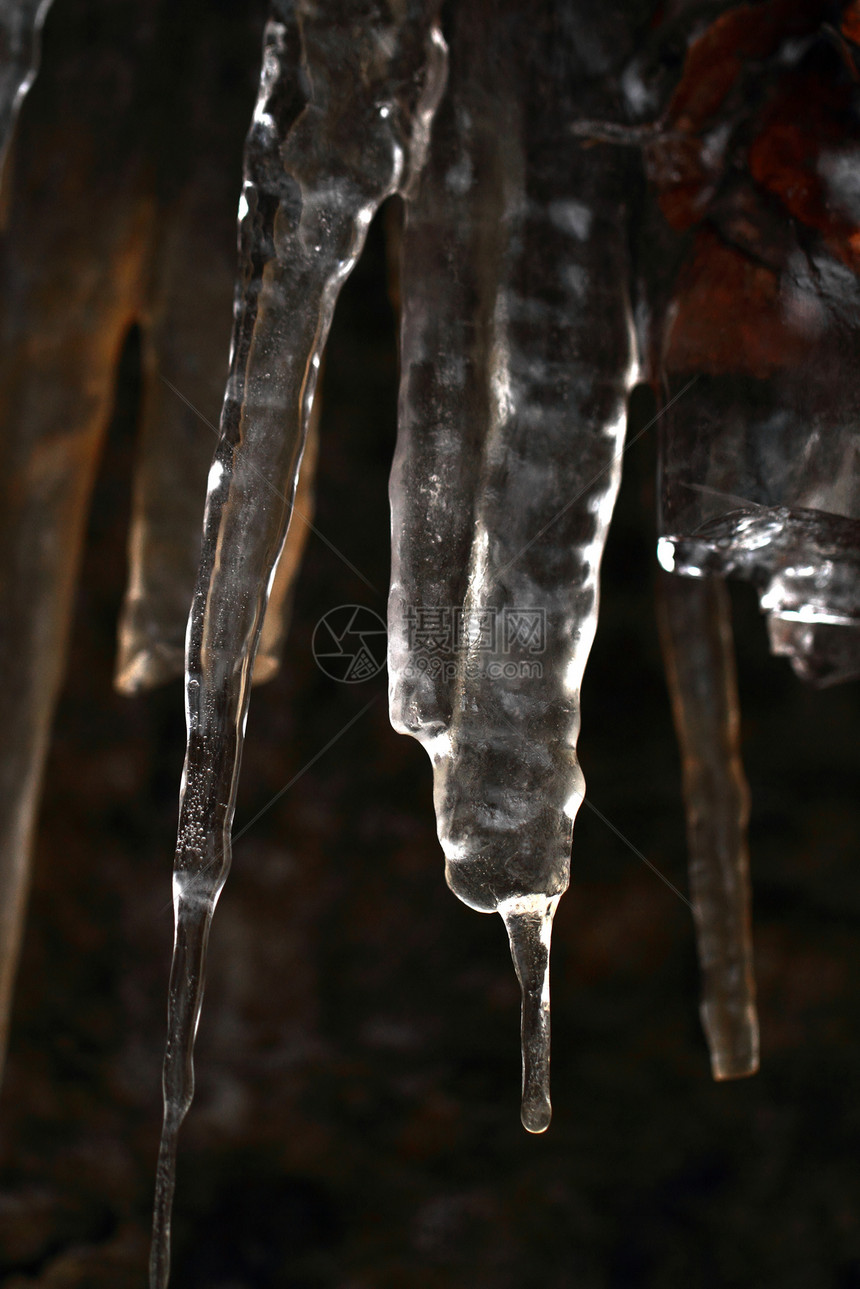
(696, 634)
(346, 98)
(517, 361)
(20, 28)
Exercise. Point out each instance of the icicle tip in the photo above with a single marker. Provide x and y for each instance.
(536, 1110)
(528, 920)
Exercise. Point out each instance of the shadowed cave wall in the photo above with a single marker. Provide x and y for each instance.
(356, 1122)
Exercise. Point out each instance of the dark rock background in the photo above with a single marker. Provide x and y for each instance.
(356, 1122)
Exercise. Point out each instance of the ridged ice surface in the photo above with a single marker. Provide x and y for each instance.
(346, 97)
(806, 566)
(511, 426)
(806, 562)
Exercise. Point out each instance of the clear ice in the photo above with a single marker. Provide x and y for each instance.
(511, 428)
(161, 256)
(760, 463)
(696, 632)
(347, 93)
(759, 459)
(573, 158)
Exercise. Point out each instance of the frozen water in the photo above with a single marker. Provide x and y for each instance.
(527, 217)
(511, 428)
(696, 633)
(341, 122)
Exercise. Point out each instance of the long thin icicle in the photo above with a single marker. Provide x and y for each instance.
(346, 99)
(696, 634)
(516, 364)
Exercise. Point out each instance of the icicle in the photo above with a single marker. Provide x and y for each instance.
(20, 28)
(517, 359)
(759, 462)
(185, 337)
(341, 122)
(184, 345)
(279, 608)
(695, 628)
(528, 923)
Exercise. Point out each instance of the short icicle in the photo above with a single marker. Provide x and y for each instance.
(528, 923)
(347, 94)
(696, 634)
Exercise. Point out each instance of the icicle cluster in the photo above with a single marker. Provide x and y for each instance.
(160, 255)
(511, 424)
(560, 174)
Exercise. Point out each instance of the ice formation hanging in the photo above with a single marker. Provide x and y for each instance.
(511, 424)
(563, 174)
(347, 95)
(512, 415)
